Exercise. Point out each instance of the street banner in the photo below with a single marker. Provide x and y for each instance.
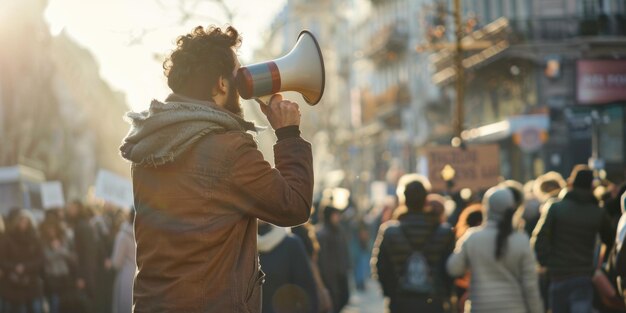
(52, 195)
(476, 167)
(115, 189)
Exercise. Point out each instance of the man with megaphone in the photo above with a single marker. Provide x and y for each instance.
(200, 183)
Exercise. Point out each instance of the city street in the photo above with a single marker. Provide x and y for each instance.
(368, 301)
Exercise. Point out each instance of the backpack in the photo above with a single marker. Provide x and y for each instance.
(417, 276)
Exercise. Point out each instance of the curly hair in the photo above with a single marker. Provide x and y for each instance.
(202, 51)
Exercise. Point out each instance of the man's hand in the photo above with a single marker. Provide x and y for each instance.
(281, 113)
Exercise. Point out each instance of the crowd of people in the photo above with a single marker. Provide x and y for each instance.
(80, 259)
(550, 245)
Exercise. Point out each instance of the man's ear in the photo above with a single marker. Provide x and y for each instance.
(221, 85)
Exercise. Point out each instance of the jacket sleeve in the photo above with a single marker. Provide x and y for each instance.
(530, 281)
(281, 196)
(458, 262)
(542, 235)
(382, 266)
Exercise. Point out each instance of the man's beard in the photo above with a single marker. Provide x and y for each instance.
(232, 100)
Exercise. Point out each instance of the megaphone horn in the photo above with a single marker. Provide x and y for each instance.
(301, 70)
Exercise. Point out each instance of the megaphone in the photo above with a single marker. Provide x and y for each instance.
(301, 70)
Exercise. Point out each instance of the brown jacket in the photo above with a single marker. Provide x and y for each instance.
(196, 223)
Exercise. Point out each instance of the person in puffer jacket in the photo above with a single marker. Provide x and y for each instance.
(500, 259)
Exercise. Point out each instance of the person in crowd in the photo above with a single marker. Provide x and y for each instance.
(617, 259)
(410, 253)
(306, 233)
(565, 239)
(548, 186)
(517, 189)
(500, 260)
(123, 262)
(87, 251)
(334, 259)
(107, 223)
(289, 283)
(22, 263)
(58, 261)
(437, 204)
(612, 205)
(531, 214)
(472, 216)
(200, 182)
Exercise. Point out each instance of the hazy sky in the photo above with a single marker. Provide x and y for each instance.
(127, 37)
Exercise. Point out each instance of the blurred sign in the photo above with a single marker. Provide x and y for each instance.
(477, 167)
(530, 139)
(601, 81)
(52, 195)
(115, 189)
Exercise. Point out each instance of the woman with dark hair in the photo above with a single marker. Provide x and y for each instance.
(502, 265)
(472, 216)
(22, 261)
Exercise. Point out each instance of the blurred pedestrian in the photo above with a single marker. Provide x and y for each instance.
(87, 252)
(548, 186)
(500, 260)
(123, 262)
(334, 259)
(615, 268)
(200, 182)
(59, 259)
(107, 223)
(22, 262)
(289, 284)
(306, 233)
(565, 240)
(410, 253)
(532, 205)
(472, 216)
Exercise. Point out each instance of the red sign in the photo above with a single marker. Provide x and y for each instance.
(601, 81)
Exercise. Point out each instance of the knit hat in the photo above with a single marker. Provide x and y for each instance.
(497, 201)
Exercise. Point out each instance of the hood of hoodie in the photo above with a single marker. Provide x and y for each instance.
(167, 129)
(268, 241)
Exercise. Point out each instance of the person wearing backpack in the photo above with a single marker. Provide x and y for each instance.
(410, 253)
(500, 259)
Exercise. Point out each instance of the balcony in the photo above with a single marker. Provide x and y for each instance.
(387, 44)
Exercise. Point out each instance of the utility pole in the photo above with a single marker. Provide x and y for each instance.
(459, 116)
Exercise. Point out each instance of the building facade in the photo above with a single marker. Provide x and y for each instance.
(553, 94)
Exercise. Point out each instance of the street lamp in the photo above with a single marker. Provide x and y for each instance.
(595, 120)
